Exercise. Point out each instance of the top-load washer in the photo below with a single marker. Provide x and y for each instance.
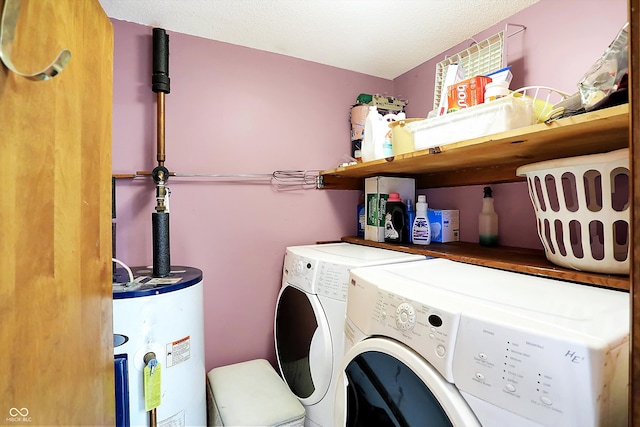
(310, 315)
(464, 345)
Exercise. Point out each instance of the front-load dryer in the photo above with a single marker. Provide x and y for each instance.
(442, 343)
(309, 318)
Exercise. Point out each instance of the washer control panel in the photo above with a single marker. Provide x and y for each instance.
(536, 375)
(299, 271)
(316, 277)
(427, 329)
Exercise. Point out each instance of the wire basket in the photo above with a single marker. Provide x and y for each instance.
(544, 99)
(582, 210)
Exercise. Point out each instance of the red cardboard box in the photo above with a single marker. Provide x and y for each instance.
(466, 93)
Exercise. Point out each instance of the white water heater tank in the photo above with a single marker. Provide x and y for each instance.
(164, 316)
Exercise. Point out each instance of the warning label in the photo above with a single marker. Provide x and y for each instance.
(176, 420)
(178, 351)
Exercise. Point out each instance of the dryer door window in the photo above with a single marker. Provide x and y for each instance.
(302, 345)
(386, 383)
(383, 391)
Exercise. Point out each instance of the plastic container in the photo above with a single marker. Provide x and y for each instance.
(421, 230)
(374, 129)
(497, 116)
(582, 210)
(362, 218)
(394, 219)
(402, 137)
(544, 99)
(377, 142)
(496, 90)
(358, 117)
(387, 147)
(488, 221)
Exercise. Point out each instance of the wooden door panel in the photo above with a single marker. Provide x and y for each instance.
(55, 226)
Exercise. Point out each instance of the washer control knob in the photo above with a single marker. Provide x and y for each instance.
(405, 316)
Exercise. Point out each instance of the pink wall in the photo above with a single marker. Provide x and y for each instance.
(561, 42)
(239, 110)
(231, 110)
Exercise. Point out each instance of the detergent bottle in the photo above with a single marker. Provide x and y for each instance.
(394, 222)
(421, 232)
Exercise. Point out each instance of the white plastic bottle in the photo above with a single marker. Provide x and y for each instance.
(495, 90)
(488, 221)
(372, 143)
(387, 146)
(421, 230)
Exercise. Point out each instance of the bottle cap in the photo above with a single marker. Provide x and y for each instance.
(422, 198)
(487, 192)
(500, 84)
(394, 197)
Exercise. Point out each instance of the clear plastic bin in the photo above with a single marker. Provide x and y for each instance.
(493, 117)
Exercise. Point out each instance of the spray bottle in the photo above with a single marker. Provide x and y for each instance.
(488, 220)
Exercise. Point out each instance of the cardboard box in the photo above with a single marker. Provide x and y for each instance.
(377, 191)
(466, 93)
(502, 75)
(382, 103)
(445, 225)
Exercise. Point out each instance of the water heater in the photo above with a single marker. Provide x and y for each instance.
(163, 316)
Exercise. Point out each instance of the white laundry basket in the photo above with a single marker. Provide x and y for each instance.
(582, 210)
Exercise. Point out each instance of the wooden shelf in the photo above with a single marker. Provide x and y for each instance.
(494, 158)
(528, 261)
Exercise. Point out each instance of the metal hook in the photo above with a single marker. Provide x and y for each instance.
(7, 30)
(506, 29)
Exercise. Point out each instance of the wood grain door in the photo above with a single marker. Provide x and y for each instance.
(56, 366)
(634, 144)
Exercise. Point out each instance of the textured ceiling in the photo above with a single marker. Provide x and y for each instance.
(383, 38)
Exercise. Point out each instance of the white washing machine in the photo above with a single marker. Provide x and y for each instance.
(309, 318)
(463, 345)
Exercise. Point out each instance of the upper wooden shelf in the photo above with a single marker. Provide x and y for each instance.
(494, 158)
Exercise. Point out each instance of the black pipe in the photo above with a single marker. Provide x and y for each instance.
(160, 219)
(161, 248)
(160, 81)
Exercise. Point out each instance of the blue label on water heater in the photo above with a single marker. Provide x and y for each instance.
(144, 284)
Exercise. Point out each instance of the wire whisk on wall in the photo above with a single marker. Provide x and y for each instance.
(295, 179)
